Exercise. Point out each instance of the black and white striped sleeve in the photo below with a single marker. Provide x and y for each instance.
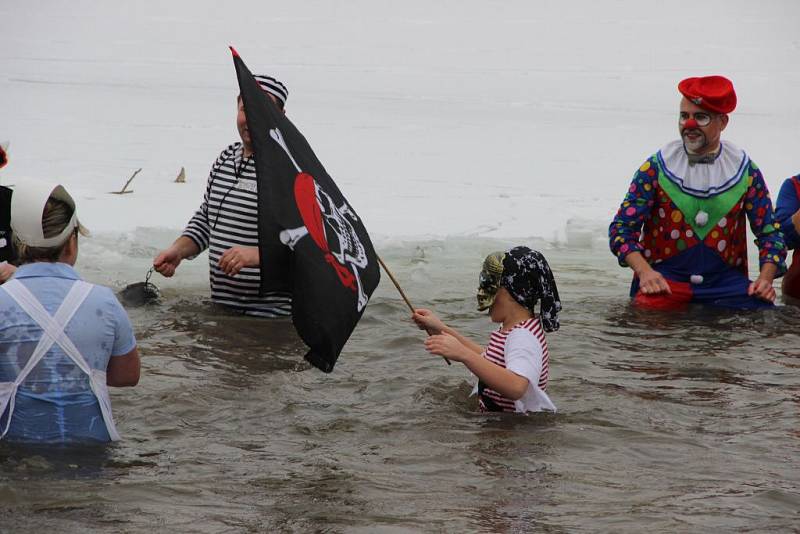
(198, 228)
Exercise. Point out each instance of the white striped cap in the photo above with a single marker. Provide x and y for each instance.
(273, 87)
(28, 201)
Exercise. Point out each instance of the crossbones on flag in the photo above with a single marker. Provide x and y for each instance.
(311, 242)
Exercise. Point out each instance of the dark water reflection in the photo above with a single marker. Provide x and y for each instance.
(667, 422)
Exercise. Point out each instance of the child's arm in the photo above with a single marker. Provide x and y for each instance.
(428, 321)
(502, 380)
(6, 271)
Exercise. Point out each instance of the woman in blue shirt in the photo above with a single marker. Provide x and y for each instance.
(62, 340)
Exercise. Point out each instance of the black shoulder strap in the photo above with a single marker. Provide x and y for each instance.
(6, 245)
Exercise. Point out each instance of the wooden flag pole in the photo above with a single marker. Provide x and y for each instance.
(394, 281)
(400, 290)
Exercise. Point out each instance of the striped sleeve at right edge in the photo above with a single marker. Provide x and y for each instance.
(198, 229)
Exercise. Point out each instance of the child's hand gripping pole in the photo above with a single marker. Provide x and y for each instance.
(408, 303)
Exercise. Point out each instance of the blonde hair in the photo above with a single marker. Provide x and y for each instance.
(56, 216)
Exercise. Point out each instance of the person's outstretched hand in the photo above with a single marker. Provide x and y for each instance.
(167, 261)
(428, 321)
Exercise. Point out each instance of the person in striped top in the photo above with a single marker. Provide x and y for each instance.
(226, 223)
(514, 367)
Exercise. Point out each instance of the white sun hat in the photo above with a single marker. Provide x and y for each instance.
(28, 201)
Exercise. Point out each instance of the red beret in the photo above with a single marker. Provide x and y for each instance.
(714, 93)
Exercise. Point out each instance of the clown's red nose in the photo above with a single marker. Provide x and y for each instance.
(690, 124)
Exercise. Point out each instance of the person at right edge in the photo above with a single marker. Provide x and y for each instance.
(787, 211)
(682, 225)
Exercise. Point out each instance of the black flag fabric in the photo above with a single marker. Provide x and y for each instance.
(311, 241)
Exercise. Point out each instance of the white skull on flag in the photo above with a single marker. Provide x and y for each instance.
(323, 217)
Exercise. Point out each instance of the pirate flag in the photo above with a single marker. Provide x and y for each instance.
(311, 241)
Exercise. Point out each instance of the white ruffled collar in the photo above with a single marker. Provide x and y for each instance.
(703, 179)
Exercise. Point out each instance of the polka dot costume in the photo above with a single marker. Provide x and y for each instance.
(664, 223)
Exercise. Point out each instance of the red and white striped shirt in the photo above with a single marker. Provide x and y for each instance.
(531, 344)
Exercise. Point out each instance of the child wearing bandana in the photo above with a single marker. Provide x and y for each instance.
(513, 369)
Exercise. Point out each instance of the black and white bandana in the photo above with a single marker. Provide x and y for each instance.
(273, 86)
(527, 277)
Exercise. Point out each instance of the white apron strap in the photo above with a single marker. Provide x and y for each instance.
(8, 390)
(53, 331)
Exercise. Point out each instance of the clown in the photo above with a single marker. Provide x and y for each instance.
(682, 225)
